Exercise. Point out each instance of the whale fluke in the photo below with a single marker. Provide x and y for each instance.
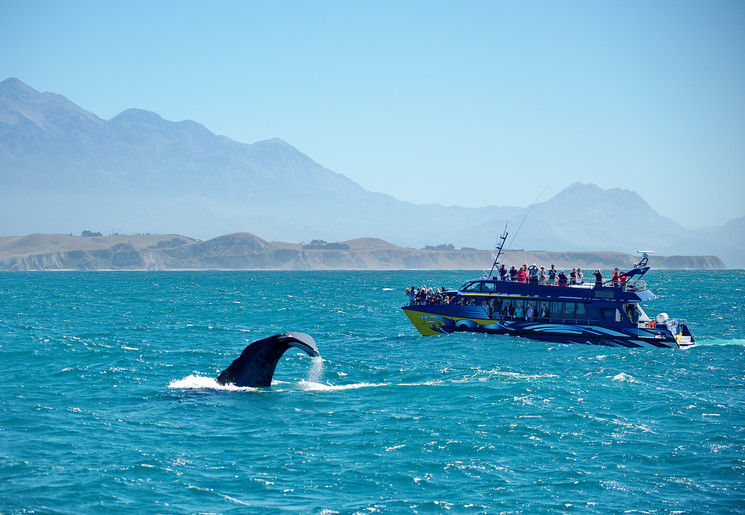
(255, 366)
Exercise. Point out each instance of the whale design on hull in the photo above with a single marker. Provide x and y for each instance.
(256, 364)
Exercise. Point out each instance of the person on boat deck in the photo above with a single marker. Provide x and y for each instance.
(533, 274)
(513, 274)
(622, 279)
(545, 313)
(598, 278)
(580, 276)
(421, 295)
(522, 274)
(411, 295)
(519, 312)
(614, 279)
(503, 272)
(552, 276)
(562, 278)
(573, 276)
(430, 295)
(509, 310)
(529, 313)
(542, 276)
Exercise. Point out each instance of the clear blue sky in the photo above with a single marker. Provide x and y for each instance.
(465, 103)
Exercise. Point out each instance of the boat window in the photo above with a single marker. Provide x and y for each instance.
(560, 309)
(474, 286)
(610, 314)
(581, 311)
(490, 306)
(488, 287)
(510, 306)
(570, 310)
(567, 310)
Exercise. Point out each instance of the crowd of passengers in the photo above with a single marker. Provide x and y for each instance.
(525, 274)
(534, 275)
(426, 295)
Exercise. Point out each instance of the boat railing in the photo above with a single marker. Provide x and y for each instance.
(429, 302)
(637, 286)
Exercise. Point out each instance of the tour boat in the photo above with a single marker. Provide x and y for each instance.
(609, 313)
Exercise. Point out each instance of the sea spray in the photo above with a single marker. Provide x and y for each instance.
(316, 370)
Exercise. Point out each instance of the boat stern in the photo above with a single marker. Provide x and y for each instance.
(684, 338)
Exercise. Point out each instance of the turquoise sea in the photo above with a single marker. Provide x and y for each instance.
(108, 402)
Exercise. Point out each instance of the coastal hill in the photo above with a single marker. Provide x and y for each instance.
(64, 169)
(244, 251)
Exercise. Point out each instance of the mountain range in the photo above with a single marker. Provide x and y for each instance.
(64, 169)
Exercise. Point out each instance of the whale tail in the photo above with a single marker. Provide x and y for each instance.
(256, 364)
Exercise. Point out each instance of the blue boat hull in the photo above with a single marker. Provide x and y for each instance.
(429, 323)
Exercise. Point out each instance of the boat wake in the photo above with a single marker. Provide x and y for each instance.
(734, 341)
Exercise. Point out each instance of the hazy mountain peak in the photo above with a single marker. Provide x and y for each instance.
(138, 116)
(275, 141)
(20, 104)
(18, 94)
(13, 88)
(579, 189)
(591, 194)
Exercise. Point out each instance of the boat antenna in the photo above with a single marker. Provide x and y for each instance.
(526, 214)
(499, 249)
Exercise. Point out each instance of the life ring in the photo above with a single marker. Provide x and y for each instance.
(652, 325)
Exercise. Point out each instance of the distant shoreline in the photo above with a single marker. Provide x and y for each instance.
(247, 252)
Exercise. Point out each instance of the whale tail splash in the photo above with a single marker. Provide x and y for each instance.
(256, 364)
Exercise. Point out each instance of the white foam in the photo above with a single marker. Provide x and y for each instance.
(320, 387)
(624, 377)
(193, 382)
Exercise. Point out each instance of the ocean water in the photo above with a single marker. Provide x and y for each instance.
(108, 402)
